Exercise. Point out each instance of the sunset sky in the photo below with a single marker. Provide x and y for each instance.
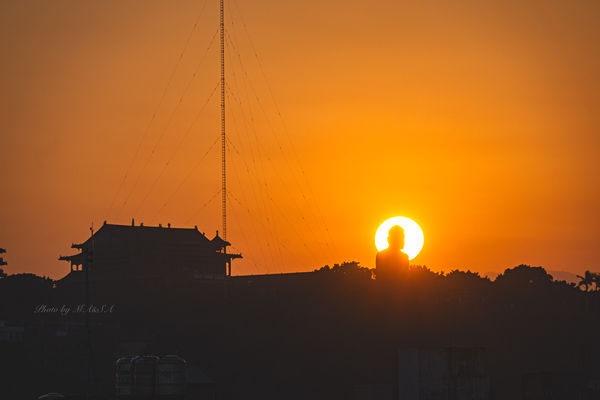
(477, 119)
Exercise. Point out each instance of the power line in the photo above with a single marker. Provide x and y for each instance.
(162, 97)
(318, 213)
(282, 214)
(203, 206)
(274, 167)
(253, 176)
(176, 150)
(168, 124)
(188, 175)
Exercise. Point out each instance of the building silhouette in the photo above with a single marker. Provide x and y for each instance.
(138, 252)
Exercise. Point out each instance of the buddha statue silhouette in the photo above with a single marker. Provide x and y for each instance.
(392, 263)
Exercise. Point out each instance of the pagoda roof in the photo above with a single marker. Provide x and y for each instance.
(150, 234)
(146, 232)
(219, 242)
(75, 258)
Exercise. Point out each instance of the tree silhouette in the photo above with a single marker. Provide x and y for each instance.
(588, 279)
(524, 275)
(347, 268)
(2, 251)
(2, 274)
(465, 275)
(596, 279)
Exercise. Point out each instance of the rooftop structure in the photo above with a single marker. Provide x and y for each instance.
(138, 252)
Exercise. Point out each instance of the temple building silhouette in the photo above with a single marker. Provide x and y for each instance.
(138, 252)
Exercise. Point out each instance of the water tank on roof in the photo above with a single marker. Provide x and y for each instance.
(124, 377)
(144, 376)
(172, 376)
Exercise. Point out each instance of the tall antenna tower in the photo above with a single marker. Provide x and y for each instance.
(223, 159)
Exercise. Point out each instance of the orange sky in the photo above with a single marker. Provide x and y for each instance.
(477, 119)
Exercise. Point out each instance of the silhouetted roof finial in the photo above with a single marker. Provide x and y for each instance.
(219, 243)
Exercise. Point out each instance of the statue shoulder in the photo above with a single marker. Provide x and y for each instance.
(382, 255)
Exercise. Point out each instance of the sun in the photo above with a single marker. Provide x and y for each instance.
(414, 238)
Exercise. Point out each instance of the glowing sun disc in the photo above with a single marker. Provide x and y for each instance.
(414, 238)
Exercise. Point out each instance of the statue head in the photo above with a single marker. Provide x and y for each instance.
(396, 237)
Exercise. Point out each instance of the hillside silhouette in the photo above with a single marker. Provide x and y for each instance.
(320, 334)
